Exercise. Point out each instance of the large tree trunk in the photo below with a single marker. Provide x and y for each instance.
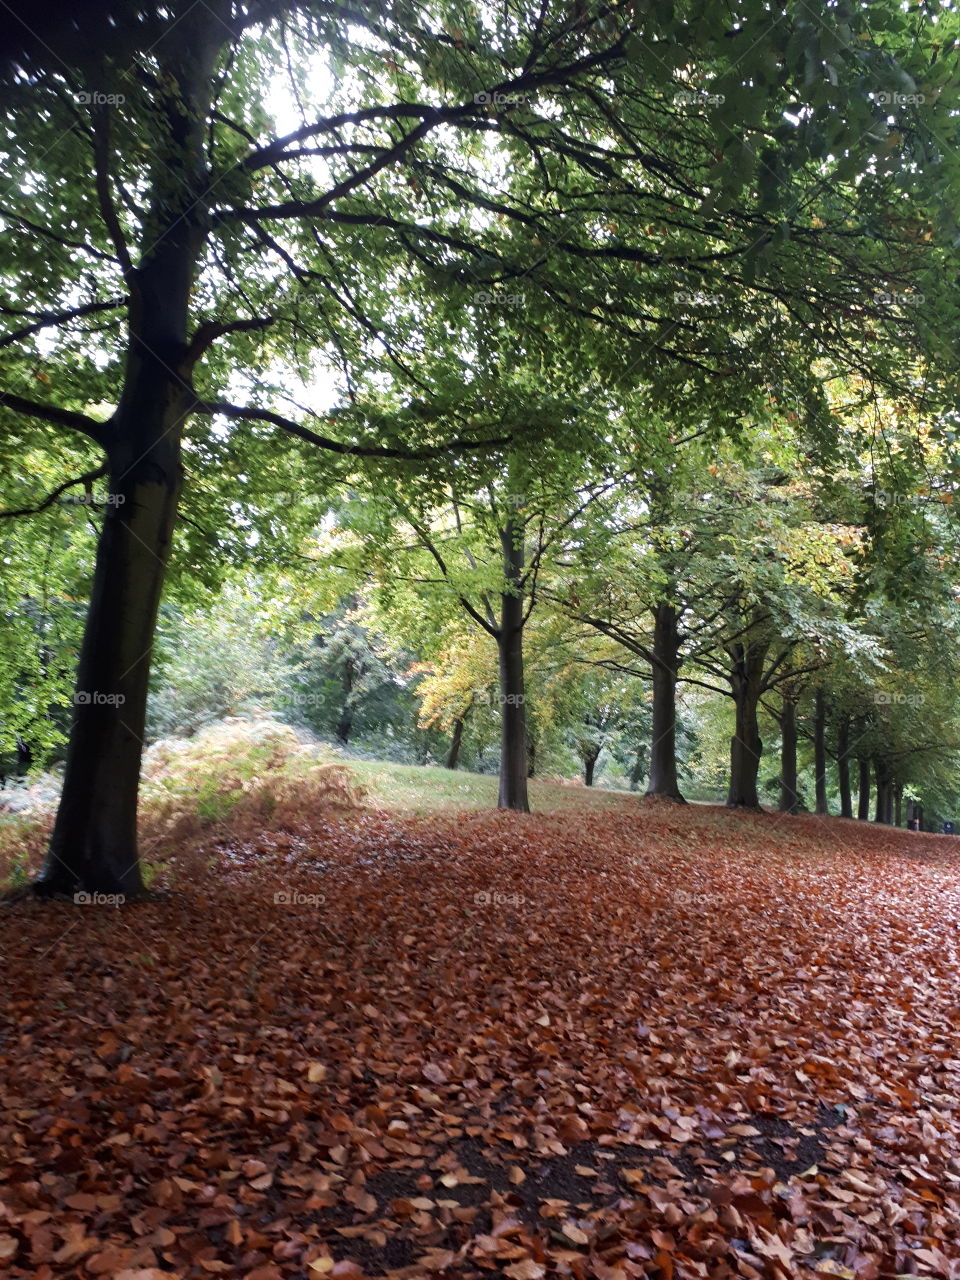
(820, 750)
(746, 680)
(513, 716)
(589, 766)
(843, 767)
(789, 797)
(898, 804)
(94, 844)
(863, 791)
(662, 780)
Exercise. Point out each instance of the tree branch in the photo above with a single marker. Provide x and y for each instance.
(87, 478)
(244, 413)
(207, 333)
(89, 427)
(51, 319)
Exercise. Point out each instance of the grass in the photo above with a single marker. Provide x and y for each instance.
(428, 788)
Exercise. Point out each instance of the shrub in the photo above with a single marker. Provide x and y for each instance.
(231, 780)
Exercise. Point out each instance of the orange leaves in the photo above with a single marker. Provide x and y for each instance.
(709, 1043)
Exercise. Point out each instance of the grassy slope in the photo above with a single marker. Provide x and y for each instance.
(425, 789)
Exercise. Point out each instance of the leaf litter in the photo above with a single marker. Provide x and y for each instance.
(667, 1043)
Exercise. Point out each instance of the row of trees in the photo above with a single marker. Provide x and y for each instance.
(495, 271)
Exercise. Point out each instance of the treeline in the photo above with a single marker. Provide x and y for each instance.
(457, 307)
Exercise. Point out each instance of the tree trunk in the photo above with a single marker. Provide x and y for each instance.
(746, 680)
(94, 844)
(638, 770)
(863, 791)
(345, 721)
(513, 717)
(843, 768)
(453, 755)
(898, 804)
(789, 797)
(589, 766)
(662, 780)
(883, 806)
(820, 751)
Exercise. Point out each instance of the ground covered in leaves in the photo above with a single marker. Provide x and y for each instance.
(634, 1041)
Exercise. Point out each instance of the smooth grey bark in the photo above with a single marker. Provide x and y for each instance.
(662, 779)
(789, 796)
(746, 681)
(884, 805)
(843, 767)
(863, 790)
(513, 716)
(820, 750)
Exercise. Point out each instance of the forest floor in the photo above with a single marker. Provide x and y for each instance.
(613, 1040)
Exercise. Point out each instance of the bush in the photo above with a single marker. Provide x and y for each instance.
(235, 776)
(231, 780)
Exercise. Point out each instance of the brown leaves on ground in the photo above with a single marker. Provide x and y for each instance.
(662, 1042)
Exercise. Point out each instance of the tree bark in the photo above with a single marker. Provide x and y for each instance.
(820, 751)
(345, 720)
(453, 755)
(513, 716)
(94, 844)
(589, 767)
(863, 791)
(883, 805)
(93, 848)
(789, 797)
(662, 779)
(638, 769)
(746, 679)
(843, 767)
(898, 804)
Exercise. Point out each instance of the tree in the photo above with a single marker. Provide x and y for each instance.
(174, 250)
